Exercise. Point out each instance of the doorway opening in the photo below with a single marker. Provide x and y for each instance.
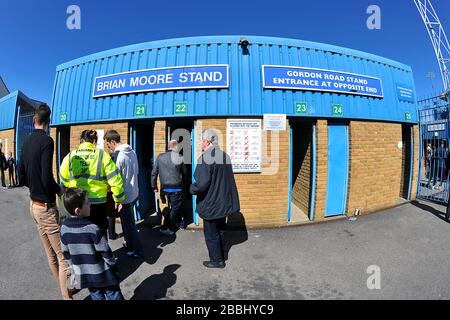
(63, 140)
(141, 140)
(181, 131)
(406, 161)
(301, 170)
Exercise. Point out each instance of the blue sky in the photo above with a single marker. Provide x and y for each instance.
(34, 38)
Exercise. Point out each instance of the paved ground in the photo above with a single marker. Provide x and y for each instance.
(410, 244)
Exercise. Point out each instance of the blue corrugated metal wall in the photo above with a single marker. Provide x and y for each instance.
(24, 128)
(8, 105)
(246, 96)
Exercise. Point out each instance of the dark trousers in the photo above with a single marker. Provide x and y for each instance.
(214, 231)
(129, 229)
(447, 212)
(112, 227)
(12, 179)
(98, 216)
(171, 217)
(3, 177)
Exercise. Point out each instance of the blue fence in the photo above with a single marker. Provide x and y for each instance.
(24, 128)
(434, 150)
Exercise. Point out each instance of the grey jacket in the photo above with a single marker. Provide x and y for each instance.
(128, 166)
(171, 170)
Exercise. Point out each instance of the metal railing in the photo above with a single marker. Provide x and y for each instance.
(434, 150)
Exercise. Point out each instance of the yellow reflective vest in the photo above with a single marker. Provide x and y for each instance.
(93, 170)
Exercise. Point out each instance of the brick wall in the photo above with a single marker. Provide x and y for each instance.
(75, 131)
(321, 169)
(263, 198)
(160, 145)
(374, 177)
(9, 137)
(8, 142)
(375, 165)
(301, 166)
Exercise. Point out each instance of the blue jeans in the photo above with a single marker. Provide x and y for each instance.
(129, 229)
(112, 293)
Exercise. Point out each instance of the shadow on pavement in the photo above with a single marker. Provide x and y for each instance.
(236, 232)
(433, 211)
(152, 241)
(156, 286)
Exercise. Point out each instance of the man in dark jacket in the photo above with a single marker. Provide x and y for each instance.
(11, 170)
(217, 196)
(35, 171)
(3, 165)
(172, 175)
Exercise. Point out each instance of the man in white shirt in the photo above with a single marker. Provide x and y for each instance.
(127, 164)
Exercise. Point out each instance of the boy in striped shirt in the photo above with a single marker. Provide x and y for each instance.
(85, 248)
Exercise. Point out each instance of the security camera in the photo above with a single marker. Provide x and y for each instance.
(243, 42)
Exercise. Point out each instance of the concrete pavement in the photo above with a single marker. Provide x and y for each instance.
(410, 244)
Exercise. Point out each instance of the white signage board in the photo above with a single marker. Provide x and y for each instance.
(436, 127)
(244, 144)
(100, 142)
(275, 122)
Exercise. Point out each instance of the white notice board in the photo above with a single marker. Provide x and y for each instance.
(244, 144)
(100, 142)
(274, 122)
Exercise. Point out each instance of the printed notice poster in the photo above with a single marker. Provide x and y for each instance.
(244, 145)
(274, 122)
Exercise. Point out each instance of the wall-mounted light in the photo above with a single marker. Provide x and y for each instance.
(243, 42)
(244, 45)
